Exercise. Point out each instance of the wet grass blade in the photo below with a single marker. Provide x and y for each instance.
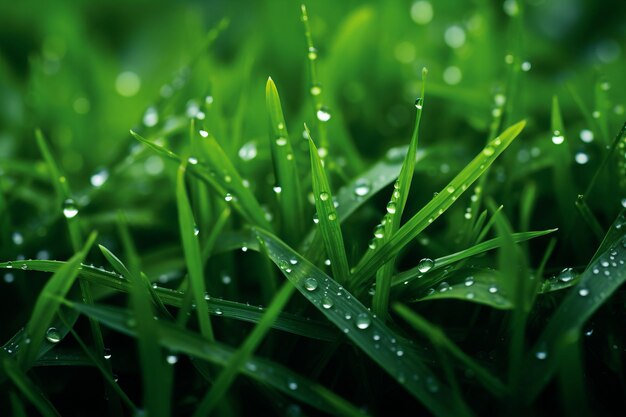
(47, 305)
(391, 351)
(193, 257)
(28, 388)
(180, 340)
(285, 168)
(223, 308)
(442, 262)
(438, 338)
(437, 206)
(327, 216)
(602, 277)
(395, 208)
(225, 379)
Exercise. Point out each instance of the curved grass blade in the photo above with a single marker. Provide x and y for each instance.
(602, 277)
(193, 257)
(285, 168)
(223, 308)
(264, 371)
(437, 206)
(395, 208)
(439, 338)
(473, 285)
(495, 243)
(328, 223)
(47, 305)
(225, 379)
(396, 355)
(28, 388)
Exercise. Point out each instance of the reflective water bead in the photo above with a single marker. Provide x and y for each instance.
(281, 141)
(327, 302)
(171, 359)
(361, 187)
(312, 53)
(228, 197)
(566, 275)
(493, 289)
(248, 151)
(557, 137)
(70, 209)
(332, 216)
(150, 117)
(583, 292)
(469, 281)
(419, 103)
(363, 321)
(310, 284)
(53, 335)
(99, 178)
(425, 265)
(586, 135)
(324, 196)
(316, 90)
(391, 207)
(323, 114)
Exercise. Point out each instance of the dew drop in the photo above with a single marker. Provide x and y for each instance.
(557, 137)
(586, 135)
(425, 265)
(150, 117)
(248, 151)
(70, 209)
(292, 385)
(281, 141)
(204, 133)
(107, 353)
(379, 232)
(316, 90)
(228, 197)
(581, 158)
(361, 187)
(391, 207)
(99, 178)
(488, 151)
(419, 103)
(327, 302)
(323, 114)
(324, 196)
(312, 53)
(541, 355)
(310, 284)
(53, 335)
(583, 292)
(363, 321)
(171, 359)
(492, 289)
(566, 275)
(469, 281)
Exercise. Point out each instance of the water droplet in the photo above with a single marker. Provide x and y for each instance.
(469, 281)
(419, 103)
(566, 275)
(425, 265)
(541, 355)
(488, 151)
(557, 137)
(277, 189)
(444, 286)
(310, 284)
(70, 209)
(281, 141)
(581, 158)
(470, 295)
(624, 202)
(107, 353)
(363, 321)
(312, 53)
(196, 231)
(391, 207)
(332, 216)
(17, 238)
(379, 232)
(399, 352)
(192, 160)
(316, 219)
(327, 302)
(323, 114)
(316, 90)
(493, 289)
(203, 133)
(586, 135)
(151, 117)
(292, 385)
(228, 197)
(526, 66)
(248, 151)
(218, 311)
(361, 187)
(583, 292)
(324, 196)
(53, 335)
(596, 114)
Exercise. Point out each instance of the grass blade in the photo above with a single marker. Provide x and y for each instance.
(266, 372)
(599, 281)
(223, 308)
(285, 168)
(395, 208)
(389, 350)
(193, 257)
(437, 206)
(328, 223)
(47, 305)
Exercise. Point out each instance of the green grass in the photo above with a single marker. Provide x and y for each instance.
(364, 243)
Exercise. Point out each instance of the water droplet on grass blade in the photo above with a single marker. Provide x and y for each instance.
(107, 353)
(323, 114)
(391, 207)
(327, 302)
(324, 196)
(151, 117)
(583, 292)
(361, 187)
(425, 265)
(363, 321)
(566, 275)
(557, 137)
(53, 335)
(248, 151)
(310, 284)
(99, 178)
(171, 359)
(70, 209)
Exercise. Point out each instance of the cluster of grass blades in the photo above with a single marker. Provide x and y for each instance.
(289, 270)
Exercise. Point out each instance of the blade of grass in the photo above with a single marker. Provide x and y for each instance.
(46, 306)
(223, 308)
(597, 283)
(328, 223)
(438, 338)
(389, 350)
(225, 379)
(437, 206)
(193, 257)
(285, 168)
(395, 208)
(266, 372)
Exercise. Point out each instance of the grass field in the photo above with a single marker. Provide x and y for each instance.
(348, 208)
